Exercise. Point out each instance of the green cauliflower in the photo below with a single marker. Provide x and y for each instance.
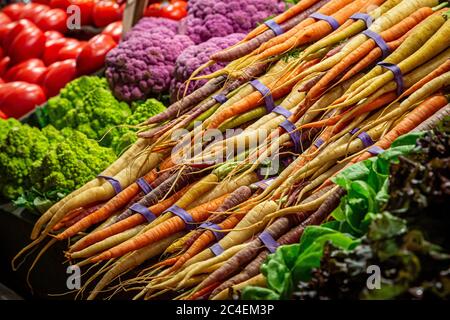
(142, 110)
(87, 104)
(20, 147)
(70, 162)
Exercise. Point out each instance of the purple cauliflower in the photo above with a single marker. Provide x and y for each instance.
(218, 18)
(192, 58)
(143, 64)
(150, 24)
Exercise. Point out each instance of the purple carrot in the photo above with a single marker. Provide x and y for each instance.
(311, 83)
(248, 74)
(247, 47)
(177, 181)
(180, 107)
(293, 236)
(238, 196)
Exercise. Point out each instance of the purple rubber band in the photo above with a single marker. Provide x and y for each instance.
(143, 210)
(354, 130)
(274, 26)
(268, 241)
(398, 76)
(263, 184)
(114, 182)
(375, 150)
(319, 142)
(143, 184)
(293, 133)
(366, 139)
(213, 228)
(216, 249)
(220, 98)
(265, 92)
(364, 17)
(186, 217)
(331, 21)
(282, 111)
(379, 41)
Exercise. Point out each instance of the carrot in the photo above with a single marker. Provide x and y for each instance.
(425, 110)
(178, 180)
(278, 88)
(328, 9)
(286, 15)
(107, 210)
(432, 121)
(202, 242)
(131, 261)
(388, 35)
(69, 222)
(365, 107)
(173, 225)
(373, 56)
(443, 68)
(105, 244)
(417, 38)
(237, 196)
(243, 48)
(125, 224)
(436, 44)
(293, 236)
(235, 291)
(278, 228)
(313, 32)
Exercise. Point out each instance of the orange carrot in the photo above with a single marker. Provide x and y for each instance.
(443, 68)
(422, 112)
(390, 34)
(286, 15)
(127, 223)
(202, 293)
(327, 9)
(161, 231)
(367, 107)
(120, 200)
(369, 59)
(278, 88)
(204, 240)
(313, 32)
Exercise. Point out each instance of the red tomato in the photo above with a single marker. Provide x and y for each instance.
(11, 73)
(61, 4)
(13, 10)
(58, 75)
(52, 35)
(54, 19)
(30, 43)
(114, 30)
(2, 115)
(4, 63)
(86, 8)
(4, 19)
(71, 50)
(15, 30)
(92, 57)
(179, 4)
(153, 10)
(30, 74)
(30, 10)
(18, 98)
(52, 48)
(105, 12)
(47, 2)
(2, 53)
(175, 11)
(4, 30)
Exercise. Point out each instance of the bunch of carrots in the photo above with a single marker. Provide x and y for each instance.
(349, 76)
